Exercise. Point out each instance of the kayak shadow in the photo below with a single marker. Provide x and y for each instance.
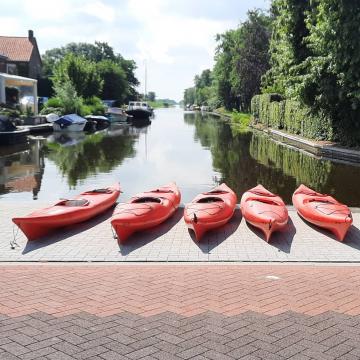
(352, 238)
(66, 232)
(282, 240)
(142, 238)
(215, 237)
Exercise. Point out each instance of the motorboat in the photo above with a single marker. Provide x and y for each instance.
(139, 110)
(67, 123)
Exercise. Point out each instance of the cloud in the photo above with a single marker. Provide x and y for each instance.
(100, 10)
(176, 37)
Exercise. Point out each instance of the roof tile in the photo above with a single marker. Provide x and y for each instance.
(16, 48)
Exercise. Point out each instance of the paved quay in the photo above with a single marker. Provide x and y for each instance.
(179, 311)
(171, 241)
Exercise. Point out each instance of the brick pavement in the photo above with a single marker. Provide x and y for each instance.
(179, 312)
(171, 241)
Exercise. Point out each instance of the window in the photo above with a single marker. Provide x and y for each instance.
(11, 69)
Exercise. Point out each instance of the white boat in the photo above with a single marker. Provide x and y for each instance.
(69, 123)
(139, 110)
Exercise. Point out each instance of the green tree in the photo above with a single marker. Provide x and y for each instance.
(115, 85)
(251, 58)
(82, 73)
(288, 45)
(151, 96)
(315, 59)
(241, 60)
(96, 53)
(189, 96)
(67, 97)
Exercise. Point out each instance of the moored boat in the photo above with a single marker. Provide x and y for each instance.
(100, 122)
(10, 134)
(69, 123)
(322, 210)
(67, 212)
(116, 114)
(145, 210)
(264, 210)
(139, 110)
(210, 210)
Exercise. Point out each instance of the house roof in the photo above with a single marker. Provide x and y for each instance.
(16, 48)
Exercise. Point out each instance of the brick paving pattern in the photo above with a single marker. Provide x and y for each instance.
(93, 241)
(179, 312)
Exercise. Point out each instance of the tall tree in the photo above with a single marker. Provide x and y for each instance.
(288, 46)
(82, 73)
(241, 60)
(252, 57)
(98, 52)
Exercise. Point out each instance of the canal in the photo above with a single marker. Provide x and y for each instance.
(195, 151)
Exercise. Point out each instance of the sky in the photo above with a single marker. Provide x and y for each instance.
(176, 39)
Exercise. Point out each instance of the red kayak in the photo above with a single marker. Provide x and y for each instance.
(145, 210)
(210, 210)
(323, 210)
(264, 210)
(67, 212)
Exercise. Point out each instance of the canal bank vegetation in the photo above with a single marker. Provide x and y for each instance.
(78, 75)
(301, 62)
(314, 66)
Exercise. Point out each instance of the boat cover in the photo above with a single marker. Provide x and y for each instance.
(67, 120)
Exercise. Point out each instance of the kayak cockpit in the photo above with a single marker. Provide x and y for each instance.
(74, 202)
(147, 199)
(209, 199)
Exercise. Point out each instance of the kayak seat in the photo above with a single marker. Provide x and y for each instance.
(209, 199)
(216, 192)
(264, 201)
(74, 202)
(99, 191)
(147, 199)
(262, 193)
(321, 200)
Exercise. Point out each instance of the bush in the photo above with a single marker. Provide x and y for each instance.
(92, 106)
(53, 102)
(52, 110)
(68, 97)
(271, 111)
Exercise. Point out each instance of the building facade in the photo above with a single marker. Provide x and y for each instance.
(20, 56)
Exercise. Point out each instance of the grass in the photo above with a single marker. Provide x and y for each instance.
(239, 118)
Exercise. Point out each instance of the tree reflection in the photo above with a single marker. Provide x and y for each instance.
(100, 152)
(246, 158)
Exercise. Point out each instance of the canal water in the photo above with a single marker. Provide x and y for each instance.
(196, 151)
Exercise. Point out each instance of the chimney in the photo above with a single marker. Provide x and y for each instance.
(31, 35)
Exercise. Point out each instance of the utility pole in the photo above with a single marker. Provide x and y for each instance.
(145, 92)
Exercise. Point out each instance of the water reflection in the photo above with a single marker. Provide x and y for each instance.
(79, 156)
(247, 158)
(22, 169)
(197, 151)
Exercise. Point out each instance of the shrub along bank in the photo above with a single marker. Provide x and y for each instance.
(271, 110)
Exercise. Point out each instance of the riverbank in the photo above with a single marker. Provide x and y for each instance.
(322, 149)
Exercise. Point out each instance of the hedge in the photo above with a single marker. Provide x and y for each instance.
(273, 111)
